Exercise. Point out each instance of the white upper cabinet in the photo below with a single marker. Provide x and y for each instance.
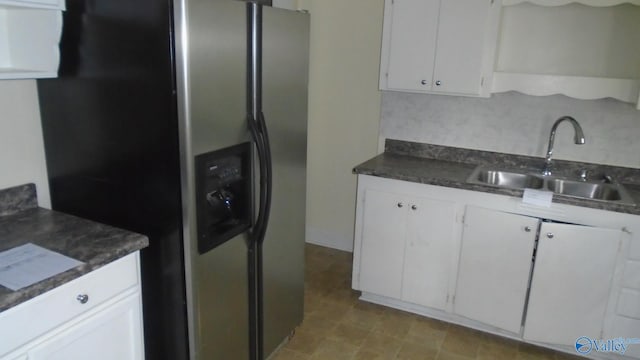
(411, 27)
(585, 49)
(39, 4)
(437, 46)
(29, 37)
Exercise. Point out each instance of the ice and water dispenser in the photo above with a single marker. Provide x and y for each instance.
(223, 195)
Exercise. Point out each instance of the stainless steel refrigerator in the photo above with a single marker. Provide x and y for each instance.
(185, 120)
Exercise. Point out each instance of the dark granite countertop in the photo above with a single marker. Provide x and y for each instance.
(21, 222)
(448, 166)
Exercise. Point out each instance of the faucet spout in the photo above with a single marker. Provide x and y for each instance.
(578, 138)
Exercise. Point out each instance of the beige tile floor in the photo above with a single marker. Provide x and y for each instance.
(339, 326)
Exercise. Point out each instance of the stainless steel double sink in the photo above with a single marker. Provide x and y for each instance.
(514, 179)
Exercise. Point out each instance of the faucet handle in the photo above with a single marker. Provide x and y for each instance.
(583, 174)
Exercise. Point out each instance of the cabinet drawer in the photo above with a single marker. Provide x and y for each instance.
(35, 317)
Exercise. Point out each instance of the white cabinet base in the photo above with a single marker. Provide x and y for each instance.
(462, 321)
(57, 325)
(495, 266)
(590, 268)
(112, 333)
(571, 282)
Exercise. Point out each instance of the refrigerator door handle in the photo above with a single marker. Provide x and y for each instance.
(260, 136)
(268, 178)
(256, 135)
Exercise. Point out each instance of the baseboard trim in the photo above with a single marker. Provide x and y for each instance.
(330, 240)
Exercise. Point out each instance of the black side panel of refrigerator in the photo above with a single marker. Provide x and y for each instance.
(111, 141)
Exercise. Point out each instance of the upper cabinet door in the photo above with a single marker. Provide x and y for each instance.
(413, 26)
(461, 43)
(439, 46)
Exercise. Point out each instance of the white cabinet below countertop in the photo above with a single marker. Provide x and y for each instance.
(547, 276)
(411, 235)
(495, 266)
(96, 316)
(571, 283)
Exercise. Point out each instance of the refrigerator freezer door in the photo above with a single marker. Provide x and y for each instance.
(285, 79)
(211, 52)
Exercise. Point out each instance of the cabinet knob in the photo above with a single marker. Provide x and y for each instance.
(423, 82)
(400, 204)
(550, 235)
(527, 228)
(438, 83)
(82, 298)
(414, 207)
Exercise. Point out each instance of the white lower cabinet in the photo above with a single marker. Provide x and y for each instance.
(97, 316)
(571, 283)
(406, 247)
(429, 247)
(495, 266)
(112, 333)
(384, 232)
(547, 276)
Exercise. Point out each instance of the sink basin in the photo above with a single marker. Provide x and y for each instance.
(507, 179)
(611, 192)
(596, 191)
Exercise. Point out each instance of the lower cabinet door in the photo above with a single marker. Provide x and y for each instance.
(571, 282)
(383, 238)
(428, 252)
(494, 268)
(112, 333)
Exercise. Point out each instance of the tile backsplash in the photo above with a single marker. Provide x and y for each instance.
(516, 123)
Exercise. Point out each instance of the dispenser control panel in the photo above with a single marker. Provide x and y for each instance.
(223, 195)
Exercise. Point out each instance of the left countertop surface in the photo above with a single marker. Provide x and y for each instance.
(93, 243)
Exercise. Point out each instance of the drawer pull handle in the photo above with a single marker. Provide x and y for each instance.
(82, 298)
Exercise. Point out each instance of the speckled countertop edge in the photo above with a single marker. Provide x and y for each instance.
(450, 167)
(93, 243)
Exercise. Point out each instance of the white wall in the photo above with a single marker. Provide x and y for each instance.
(344, 105)
(22, 158)
(516, 123)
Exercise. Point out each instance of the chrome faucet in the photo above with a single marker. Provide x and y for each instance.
(578, 138)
